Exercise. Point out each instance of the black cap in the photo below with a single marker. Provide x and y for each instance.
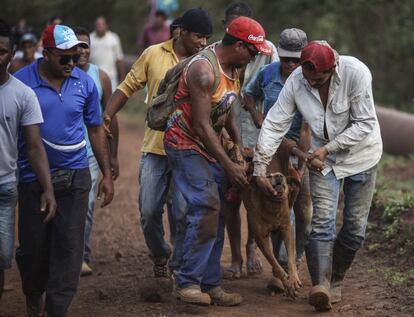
(197, 20)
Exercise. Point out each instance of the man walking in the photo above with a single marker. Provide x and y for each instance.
(106, 51)
(49, 256)
(154, 171)
(103, 85)
(334, 95)
(19, 110)
(266, 86)
(199, 163)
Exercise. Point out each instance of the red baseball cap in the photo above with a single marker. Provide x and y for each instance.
(320, 56)
(61, 37)
(249, 31)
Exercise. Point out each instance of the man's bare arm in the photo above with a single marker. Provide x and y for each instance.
(112, 142)
(200, 80)
(38, 160)
(120, 65)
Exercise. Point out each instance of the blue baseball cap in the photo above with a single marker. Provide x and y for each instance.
(61, 37)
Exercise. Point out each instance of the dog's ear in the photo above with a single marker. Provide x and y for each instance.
(294, 188)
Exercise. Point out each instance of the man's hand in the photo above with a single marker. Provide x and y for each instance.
(319, 154)
(106, 187)
(48, 205)
(257, 117)
(106, 124)
(264, 184)
(114, 167)
(237, 175)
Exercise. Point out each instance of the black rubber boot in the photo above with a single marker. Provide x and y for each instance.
(319, 259)
(342, 260)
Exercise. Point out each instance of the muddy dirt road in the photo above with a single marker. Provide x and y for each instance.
(122, 269)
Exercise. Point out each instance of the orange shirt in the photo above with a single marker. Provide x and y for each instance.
(180, 134)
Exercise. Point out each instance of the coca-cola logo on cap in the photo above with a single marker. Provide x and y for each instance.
(254, 38)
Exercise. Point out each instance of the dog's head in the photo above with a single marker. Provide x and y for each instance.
(283, 185)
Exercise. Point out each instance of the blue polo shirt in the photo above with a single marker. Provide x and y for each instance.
(266, 86)
(64, 115)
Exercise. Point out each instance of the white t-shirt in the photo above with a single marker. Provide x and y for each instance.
(19, 107)
(105, 52)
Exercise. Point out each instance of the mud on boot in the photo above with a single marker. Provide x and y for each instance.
(342, 260)
(220, 298)
(191, 294)
(319, 260)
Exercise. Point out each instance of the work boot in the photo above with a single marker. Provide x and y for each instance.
(35, 306)
(86, 269)
(191, 294)
(319, 259)
(342, 260)
(220, 298)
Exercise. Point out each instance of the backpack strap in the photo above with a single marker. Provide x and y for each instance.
(212, 58)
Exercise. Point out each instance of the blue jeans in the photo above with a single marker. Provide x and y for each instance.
(358, 190)
(202, 184)
(8, 200)
(95, 172)
(154, 180)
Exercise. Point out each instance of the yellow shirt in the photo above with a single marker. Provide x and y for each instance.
(149, 69)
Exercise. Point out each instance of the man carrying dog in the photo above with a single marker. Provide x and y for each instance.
(334, 95)
(200, 164)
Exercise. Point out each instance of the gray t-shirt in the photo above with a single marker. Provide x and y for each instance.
(18, 107)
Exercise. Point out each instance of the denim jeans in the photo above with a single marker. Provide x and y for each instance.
(8, 200)
(95, 173)
(358, 190)
(202, 184)
(50, 255)
(154, 180)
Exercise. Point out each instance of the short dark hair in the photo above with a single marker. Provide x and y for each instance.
(5, 31)
(54, 17)
(238, 8)
(80, 30)
(229, 40)
(161, 13)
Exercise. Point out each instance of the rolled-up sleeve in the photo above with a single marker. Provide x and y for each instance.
(363, 117)
(136, 78)
(275, 126)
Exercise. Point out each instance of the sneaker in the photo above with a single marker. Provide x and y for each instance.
(160, 271)
(191, 294)
(86, 269)
(220, 298)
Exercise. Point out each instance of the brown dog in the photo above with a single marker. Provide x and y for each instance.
(272, 213)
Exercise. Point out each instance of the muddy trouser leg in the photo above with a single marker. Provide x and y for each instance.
(95, 173)
(193, 175)
(303, 216)
(325, 194)
(8, 200)
(358, 190)
(50, 256)
(154, 177)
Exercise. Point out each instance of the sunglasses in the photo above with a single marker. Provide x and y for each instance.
(66, 58)
(288, 60)
(251, 49)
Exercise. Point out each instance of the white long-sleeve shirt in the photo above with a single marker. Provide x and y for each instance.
(354, 140)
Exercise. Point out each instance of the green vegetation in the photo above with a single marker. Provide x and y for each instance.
(394, 197)
(379, 32)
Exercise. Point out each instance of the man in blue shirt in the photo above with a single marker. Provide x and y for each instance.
(49, 256)
(266, 86)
